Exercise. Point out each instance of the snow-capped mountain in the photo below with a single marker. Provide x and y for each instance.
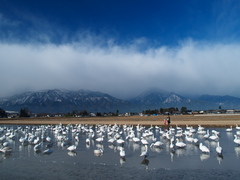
(53, 101)
(174, 98)
(64, 101)
(155, 98)
(151, 96)
(211, 101)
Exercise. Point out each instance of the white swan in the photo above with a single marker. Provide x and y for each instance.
(3, 138)
(187, 127)
(200, 128)
(76, 138)
(37, 147)
(136, 139)
(145, 152)
(87, 141)
(171, 143)
(100, 139)
(6, 144)
(236, 140)
(195, 140)
(120, 141)
(180, 144)
(111, 140)
(207, 135)
(157, 144)
(203, 148)
(237, 127)
(179, 134)
(72, 148)
(122, 152)
(178, 128)
(229, 129)
(49, 139)
(213, 137)
(98, 152)
(36, 141)
(144, 141)
(219, 149)
(192, 130)
(23, 140)
(47, 151)
(189, 138)
(6, 150)
(215, 132)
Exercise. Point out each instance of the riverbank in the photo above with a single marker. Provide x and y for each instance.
(180, 120)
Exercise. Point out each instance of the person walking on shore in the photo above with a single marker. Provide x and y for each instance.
(168, 120)
(164, 121)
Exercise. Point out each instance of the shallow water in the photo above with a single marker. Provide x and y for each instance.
(162, 163)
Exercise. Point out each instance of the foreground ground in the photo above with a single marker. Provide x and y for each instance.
(180, 120)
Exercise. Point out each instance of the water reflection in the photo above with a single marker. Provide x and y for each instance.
(122, 160)
(136, 147)
(219, 158)
(172, 153)
(204, 157)
(111, 146)
(237, 151)
(180, 152)
(98, 152)
(72, 153)
(157, 149)
(145, 162)
(47, 151)
(213, 144)
(229, 135)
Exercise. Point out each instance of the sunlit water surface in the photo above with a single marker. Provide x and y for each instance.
(161, 163)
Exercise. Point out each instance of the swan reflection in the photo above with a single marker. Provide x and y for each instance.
(99, 146)
(180, 152)
(88, 145)
(135, 147)
(76, 143)
(237, 151)
(122, 160)
(172, 153)
(72, 153)
(157, 149)
(98, 154)
(213, 144)
(229, 135)
(145, 162)
(220, 158)
(111, 146)
(204, 156)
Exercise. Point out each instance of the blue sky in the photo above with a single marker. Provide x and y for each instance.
(161, 22)
(120, 47)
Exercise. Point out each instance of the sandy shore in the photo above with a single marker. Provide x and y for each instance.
(180, 120)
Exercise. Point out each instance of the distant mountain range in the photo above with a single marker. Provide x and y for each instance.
(63, 101)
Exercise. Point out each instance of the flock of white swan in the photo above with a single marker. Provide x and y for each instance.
(69, 136)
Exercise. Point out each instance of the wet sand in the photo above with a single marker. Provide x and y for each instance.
(224, 120)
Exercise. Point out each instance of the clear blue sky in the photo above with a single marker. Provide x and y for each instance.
(161, 22)
(117, 40)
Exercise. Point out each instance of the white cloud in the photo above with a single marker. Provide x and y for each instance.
(190, 68)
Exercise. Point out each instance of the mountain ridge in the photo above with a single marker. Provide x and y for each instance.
(62, 100)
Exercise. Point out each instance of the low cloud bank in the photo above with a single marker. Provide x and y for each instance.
(122, 71)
